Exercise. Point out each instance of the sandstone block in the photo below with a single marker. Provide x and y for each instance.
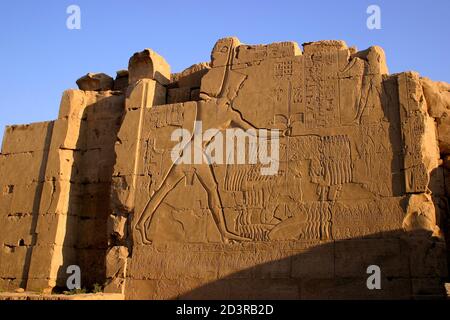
(428, 288)
(27, 138)
(148, 64)
(438, 99)
(116, 262)
(354, 288)
(418, 132)
(9, 285)
(323, 46)
(12, 265)
(316, 263)
(62, 165)
(121, 81)
(39, 198)
(353, 257)
(115, 285)
(191, 77)
(67, 135)
(17, 231)
(359, 179)
(176, 95)
(425, 261)
(153, 92)
(42, 257)
(24, 167)
(95, 82)
(376, 60)
(6, 196)
(444, 137)
(246, 289)
(101, 134)
(211, 83)
(121, 192)
(92, 263)
(421, 214)
(222, 51)
(447, 162)
(252, 54)
(91, 233)
(26, 198)
(56, 229)
(72, 104)
(117, 227)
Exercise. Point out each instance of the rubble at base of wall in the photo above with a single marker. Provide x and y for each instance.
(362, 179)
(36, 296)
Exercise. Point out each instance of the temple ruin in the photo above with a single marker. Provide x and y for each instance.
(363, 179)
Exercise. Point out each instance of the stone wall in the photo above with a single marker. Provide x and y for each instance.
(362, 180)
(22, 174)
(56, 180)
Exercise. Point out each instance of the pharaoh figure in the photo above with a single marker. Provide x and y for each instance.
(214, 111)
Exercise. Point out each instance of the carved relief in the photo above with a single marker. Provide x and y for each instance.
(357, 159)
(413, 124)
(323, 163)
(163, 117)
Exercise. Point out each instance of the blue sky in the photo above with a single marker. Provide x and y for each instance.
(40, 57)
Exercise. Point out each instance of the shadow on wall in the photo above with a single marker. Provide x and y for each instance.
(36, 205)
(86, 240)
(441, 201)
(412, 265)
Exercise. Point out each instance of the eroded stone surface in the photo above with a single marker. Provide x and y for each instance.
(363, 179)
(148, 65)
(95, 82)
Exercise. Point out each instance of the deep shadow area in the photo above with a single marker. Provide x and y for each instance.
(86, 240)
